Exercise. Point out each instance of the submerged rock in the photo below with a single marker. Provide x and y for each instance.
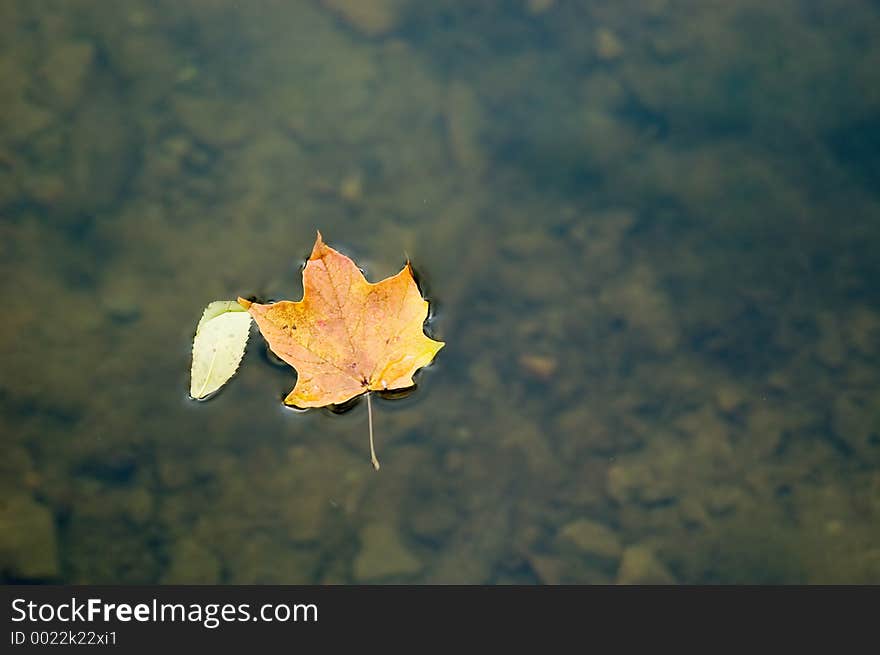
(537, 7)
(864, 330)
(28, 544)
(121, 298)
(265, 559)
(638, 300)
(464, 121)
(608, 46)
(368, 17)
(693, 512)
(830, 349)
(856, 422)
(729, 398)
(105, 147)
(591, 538)
(215, 124)
(540, 367)
(192, 563)
(639, 565)
(433, 520)
(66, 69)
(383, 555)
(637, 480)
(548, 569)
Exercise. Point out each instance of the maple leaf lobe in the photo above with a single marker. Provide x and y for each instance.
(347, 336)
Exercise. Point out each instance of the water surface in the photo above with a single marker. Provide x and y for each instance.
(649, 231)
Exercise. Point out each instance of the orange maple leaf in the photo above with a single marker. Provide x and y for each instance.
(347, 336)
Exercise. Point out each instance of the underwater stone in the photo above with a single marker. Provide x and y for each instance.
(150, 58)
(28, 544)
(692, 512)
(540, 367)
(105, 151)
(548, 569)
(537, 7)
(639, 565)
(21, 120)
(830, 349)
(608, 46)
(637, 299)
(433, 521)
(213, 123)
(766, 429)
(18, 118)
(863, 330)
(621, 485)
(728, 398)
(637, 480)
(369, 17)
(262, 559)
(724, 499)
(464, 120)
(856, 421)
(16, 469)
(43, 189)
(66, 69)
(383, 555)
(591, 538)
(304, 518)
(351, 189)
(121, 298)
(192, 563)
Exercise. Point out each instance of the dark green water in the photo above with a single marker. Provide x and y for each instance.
(650, 230)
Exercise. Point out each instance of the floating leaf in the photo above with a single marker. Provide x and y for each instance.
(347, 337)
(218, 346)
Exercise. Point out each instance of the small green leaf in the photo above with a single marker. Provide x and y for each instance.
(216, 308)
(218, 346)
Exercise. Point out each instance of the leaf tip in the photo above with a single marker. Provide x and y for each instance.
(319, 247)
(244, 302)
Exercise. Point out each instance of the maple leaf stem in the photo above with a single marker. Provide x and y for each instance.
(370, 420)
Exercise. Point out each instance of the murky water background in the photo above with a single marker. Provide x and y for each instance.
(650, 229)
